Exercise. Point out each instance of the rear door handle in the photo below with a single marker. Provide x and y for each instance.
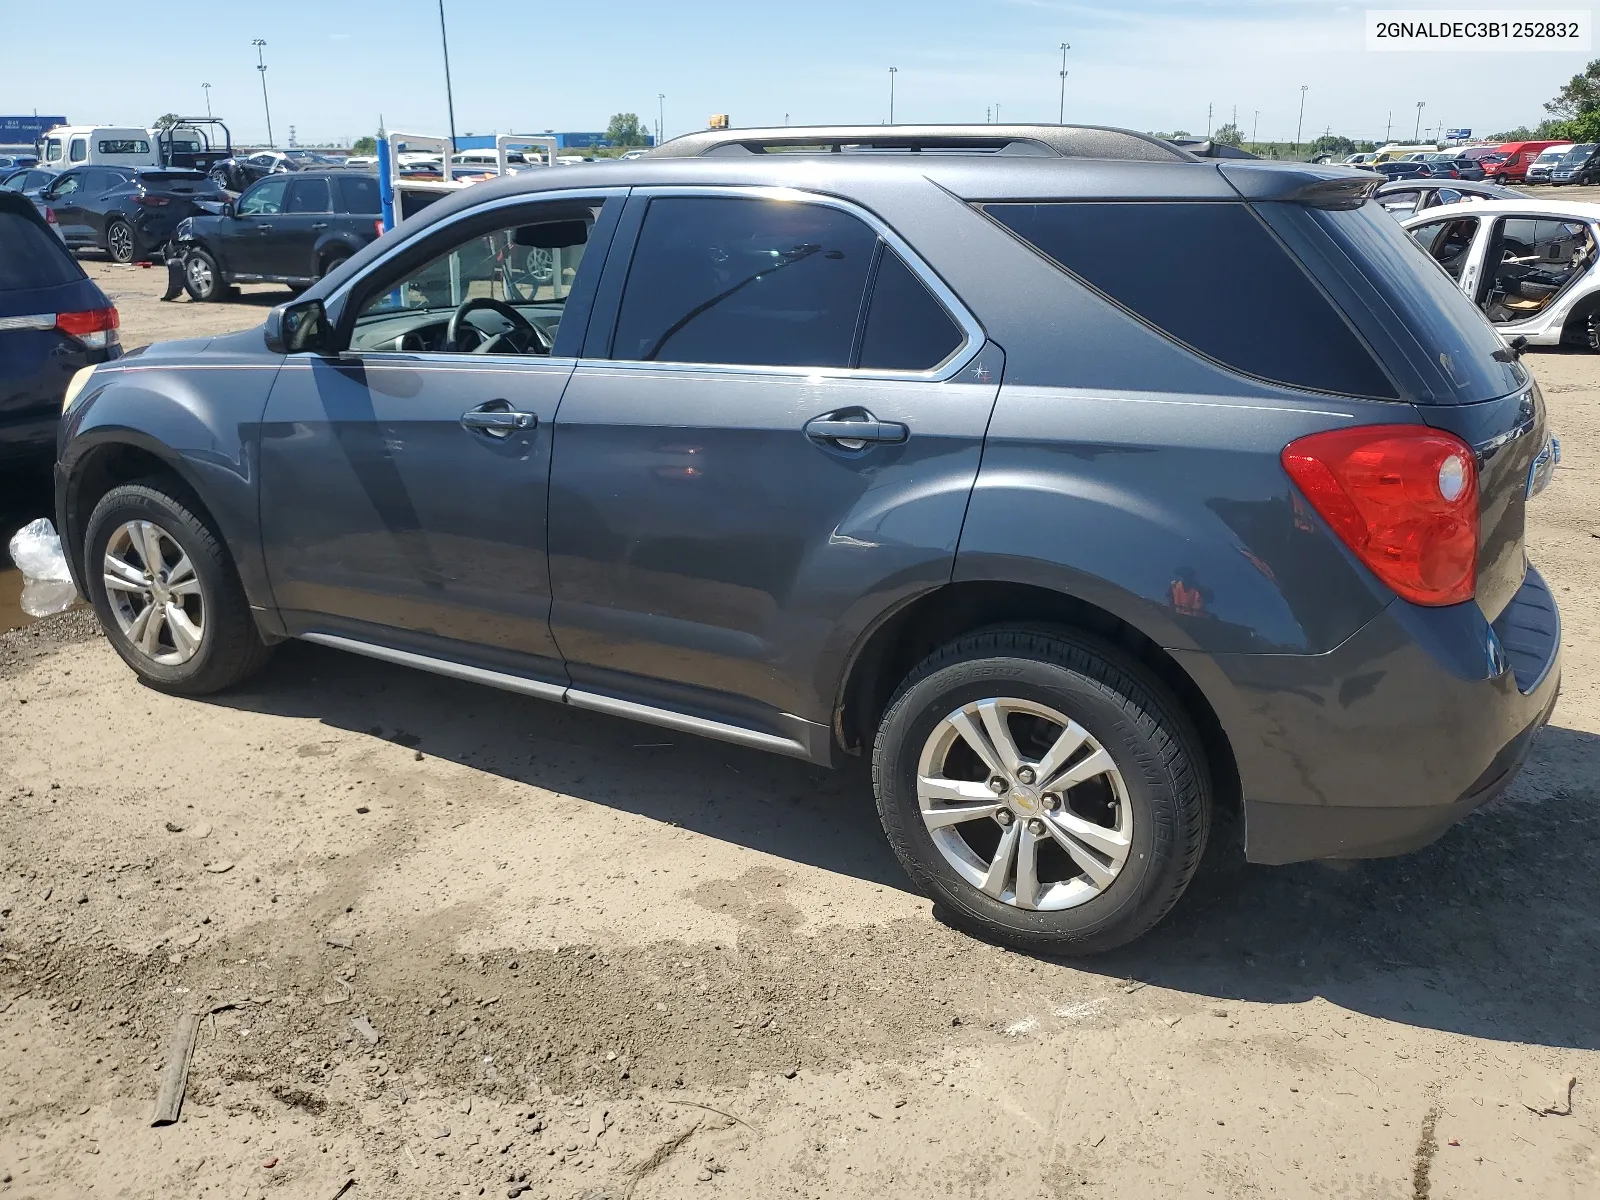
(498, 419)
(854, 432)
(319, 224)
(264, 228)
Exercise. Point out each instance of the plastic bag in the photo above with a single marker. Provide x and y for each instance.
(37, 552)
(46, 583)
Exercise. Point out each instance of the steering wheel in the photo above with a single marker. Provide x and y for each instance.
(487, 345)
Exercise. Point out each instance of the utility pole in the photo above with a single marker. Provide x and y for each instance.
(988, 115)
(261, 65)
(1061, 117)
(997, 112)
(1255, 125)
(449, 95)
(661, 117)
(892, 73)
(1208, 121)
(1389, 128)
(1417, 132)
(1300, 125)
(207, 87)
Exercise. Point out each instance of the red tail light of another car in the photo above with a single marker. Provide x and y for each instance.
(1404, 498)
(96, 328)
(377, 227)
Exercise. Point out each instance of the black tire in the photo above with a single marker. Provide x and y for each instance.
(230, 648)
(119, 240)
(1591, 331)
(204, 281)
(333, 262)
(1133, 717)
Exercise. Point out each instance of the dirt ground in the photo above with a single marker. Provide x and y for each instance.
(472, 944)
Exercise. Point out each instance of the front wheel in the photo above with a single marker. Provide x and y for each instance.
(202, 278)
(166, 592)
(1043, 788)
(119, 241)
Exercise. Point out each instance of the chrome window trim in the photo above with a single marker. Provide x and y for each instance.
(342, 294)
(973, 334)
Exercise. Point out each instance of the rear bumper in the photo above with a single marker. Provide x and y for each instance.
(1379, 746)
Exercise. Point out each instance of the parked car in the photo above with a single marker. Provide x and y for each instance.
(1399, 168)
(1407, 197)
(1539, 169)
(855, 454)
(1518, 157)
(128, 212)
(361, 162)
(1577, 165)
(238, 173)
(13, 161)
(291, 229)
(30, 181)
(54, 321)
(1529, 265)
(1360, 160)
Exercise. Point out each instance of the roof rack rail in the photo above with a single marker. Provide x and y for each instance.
(1033, 141)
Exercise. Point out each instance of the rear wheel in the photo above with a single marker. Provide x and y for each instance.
(1044, 788)
(166, 592)
(1591, 331)
(332, 263)
(202, 278)
(119, 241)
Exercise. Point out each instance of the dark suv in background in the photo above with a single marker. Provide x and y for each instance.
(917, 444)
(54, 321)
(129, 212)
(287, 228)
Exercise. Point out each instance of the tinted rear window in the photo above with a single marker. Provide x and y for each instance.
(34, 256)
(907, 329)
(1211, 276)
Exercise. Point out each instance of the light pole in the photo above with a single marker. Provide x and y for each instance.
(1300, 125)
(449, 95)
(261, 65)
(1255, 125)
(207, 87)
(661, 117)
(1417, 132)
(1389, 128)
(893, 71)
(997, 112)
(1061, 117)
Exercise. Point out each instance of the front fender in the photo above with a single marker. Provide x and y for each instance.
(200, 420)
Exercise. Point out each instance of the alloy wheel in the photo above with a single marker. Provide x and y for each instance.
(1024, 804)
(199, 272)
(120, 240)
(154, 593)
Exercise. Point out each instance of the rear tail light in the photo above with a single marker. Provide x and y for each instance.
(50, 217)
(377, 227)
(96, 329)
(1404, 498)
(148, 201)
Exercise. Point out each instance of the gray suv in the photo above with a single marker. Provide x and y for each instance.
(1087, 487)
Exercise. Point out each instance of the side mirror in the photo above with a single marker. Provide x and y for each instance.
(298, 328)
(227, 209)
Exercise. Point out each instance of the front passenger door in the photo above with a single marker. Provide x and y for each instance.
(404, 479)
(246, 238)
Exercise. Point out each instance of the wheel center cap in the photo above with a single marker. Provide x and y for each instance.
(1025, 798)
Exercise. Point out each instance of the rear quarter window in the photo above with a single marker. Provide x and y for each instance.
(34, 256)
(1210, 276)
(360, 196)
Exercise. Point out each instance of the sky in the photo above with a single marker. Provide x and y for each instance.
(336, 66)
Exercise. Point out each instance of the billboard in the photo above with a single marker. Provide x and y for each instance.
(25, 131)
(1457, 135)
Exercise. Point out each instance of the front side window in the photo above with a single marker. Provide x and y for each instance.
(1537, 259)
(1448, 243)
(1210, 276)
(501, 291)
(79, 150)
(265, 199)
(65, 186)
(52, 150)
(737, 280)
(123, 146)
(310, 196)
(1401, 204)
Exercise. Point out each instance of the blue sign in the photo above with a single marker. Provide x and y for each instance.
(25, 131)
(1457, 135)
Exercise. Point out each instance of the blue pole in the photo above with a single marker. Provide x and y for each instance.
(385, 185)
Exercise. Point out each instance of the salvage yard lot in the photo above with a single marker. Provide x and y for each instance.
(600, 959)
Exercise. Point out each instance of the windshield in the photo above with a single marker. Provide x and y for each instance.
(1578, 153)
(1550, 155)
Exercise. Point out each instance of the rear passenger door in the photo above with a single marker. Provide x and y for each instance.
(291, 249)
(769, 442)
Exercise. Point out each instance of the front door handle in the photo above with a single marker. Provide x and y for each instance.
(319, 224)
(498, 419)
(856, 430)
(263, 228)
